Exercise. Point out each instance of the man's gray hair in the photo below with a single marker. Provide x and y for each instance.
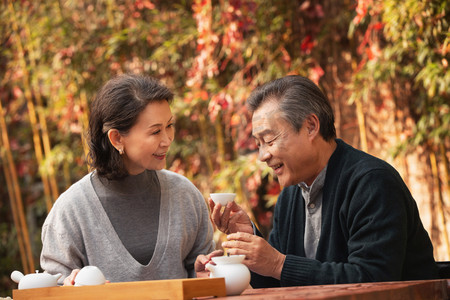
(298, 98)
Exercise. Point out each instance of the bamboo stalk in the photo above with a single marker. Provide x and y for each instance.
(42, 118)
(220, 142)
(31, 108)
(84, 124)
(16, 200)
(361, 124)
(10, 187)
(435, 171)
(204, 135)
(443, 155)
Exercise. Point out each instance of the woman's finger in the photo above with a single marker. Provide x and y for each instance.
(70, 280)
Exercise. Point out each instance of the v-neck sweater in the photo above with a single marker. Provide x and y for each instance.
(77, 232)
(371, 228)
(137, 197)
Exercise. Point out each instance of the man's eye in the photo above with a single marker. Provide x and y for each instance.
(270, 142)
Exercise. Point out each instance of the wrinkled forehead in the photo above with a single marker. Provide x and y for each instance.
(267, 118)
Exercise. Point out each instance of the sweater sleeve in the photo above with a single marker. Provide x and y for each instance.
(62, 246)
(204, 242)
(59, 253)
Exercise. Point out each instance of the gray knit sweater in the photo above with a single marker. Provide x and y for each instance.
(77, 233)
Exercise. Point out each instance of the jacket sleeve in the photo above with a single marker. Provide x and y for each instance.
(259, 281)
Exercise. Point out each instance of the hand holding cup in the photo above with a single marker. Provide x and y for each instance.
(233, 218)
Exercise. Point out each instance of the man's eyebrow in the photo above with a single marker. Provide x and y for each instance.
(262, 133)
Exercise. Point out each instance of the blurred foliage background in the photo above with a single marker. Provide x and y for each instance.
(383, 65)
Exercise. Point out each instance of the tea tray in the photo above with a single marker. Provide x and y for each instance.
(155, 289)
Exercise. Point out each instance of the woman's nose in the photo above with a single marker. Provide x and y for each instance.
(167, 139)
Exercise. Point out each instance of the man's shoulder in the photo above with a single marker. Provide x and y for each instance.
(349, 158)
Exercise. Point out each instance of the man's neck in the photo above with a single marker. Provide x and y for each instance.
(325, 150)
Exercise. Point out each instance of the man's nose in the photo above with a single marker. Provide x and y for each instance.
(264, 154)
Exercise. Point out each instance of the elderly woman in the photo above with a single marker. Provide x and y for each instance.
(129, 217)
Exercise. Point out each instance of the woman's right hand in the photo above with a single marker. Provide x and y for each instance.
(201, 262)
(233, 219)
(70, 280)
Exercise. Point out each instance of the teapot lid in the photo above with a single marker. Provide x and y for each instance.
(232, 259)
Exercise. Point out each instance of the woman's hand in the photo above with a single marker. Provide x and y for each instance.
(201, 262)
(232, 219)
(70, 280)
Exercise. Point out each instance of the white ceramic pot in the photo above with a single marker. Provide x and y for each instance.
(89, 275)
(35, 280)
(236, 274)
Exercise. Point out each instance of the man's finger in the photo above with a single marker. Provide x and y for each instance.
(240, 236)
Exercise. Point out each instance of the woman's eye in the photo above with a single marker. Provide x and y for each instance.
(156, 132)
(171, 125)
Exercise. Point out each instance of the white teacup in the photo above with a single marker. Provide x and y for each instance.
(89, 275)
(222, 198)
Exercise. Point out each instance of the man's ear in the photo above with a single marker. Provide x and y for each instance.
(312, 124)
(116, 139)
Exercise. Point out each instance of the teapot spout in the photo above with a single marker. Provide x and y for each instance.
(56, 276)
(16, 276)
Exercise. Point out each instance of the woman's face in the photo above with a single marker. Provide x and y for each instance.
(146, 144)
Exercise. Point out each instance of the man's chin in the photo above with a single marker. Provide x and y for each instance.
(283, 181)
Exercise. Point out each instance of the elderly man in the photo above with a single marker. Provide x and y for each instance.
(343, 216)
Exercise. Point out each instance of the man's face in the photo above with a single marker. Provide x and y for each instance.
(287, 152)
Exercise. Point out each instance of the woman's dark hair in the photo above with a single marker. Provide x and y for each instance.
(117, 106)
(298, 97)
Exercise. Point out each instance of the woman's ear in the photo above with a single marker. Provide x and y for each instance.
(312, 125)
(116, 140)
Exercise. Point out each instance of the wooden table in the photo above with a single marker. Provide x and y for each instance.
(402, 290)
(207, 288)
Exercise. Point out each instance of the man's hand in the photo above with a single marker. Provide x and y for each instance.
(260, 256)
(202, 260)
(232, 219)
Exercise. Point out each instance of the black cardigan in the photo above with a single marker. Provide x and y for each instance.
(371, 229)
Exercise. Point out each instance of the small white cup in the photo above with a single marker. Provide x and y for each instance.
(89, 275)
(222, 198)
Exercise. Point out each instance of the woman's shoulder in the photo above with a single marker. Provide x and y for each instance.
(76, 191)
(178, 185)
(171, 177)
(72, 203)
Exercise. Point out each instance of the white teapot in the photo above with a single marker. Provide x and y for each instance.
(35, 280)
(236, 274)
